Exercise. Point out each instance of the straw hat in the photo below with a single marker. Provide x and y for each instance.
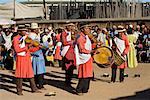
(70, 24)
(22, 28)
(84, 24)
(121, 29)
(27, 25)
(34, 26)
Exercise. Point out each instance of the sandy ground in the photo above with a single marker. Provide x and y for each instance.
(131, 89)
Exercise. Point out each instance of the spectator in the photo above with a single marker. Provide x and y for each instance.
(2, 57)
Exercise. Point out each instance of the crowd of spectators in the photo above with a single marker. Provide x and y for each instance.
(142, 44)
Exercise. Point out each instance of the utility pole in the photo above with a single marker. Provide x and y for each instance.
(44, 9)
(14, 15)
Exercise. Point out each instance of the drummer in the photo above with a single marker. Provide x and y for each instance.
(123, 50)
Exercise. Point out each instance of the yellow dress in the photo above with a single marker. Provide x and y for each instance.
(132, 60)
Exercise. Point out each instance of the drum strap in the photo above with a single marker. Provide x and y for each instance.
(119, 43)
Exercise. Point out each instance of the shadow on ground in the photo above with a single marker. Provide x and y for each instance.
(63, 73)
(7, 83)
(54, 76)
(59, 83)
(141, 95)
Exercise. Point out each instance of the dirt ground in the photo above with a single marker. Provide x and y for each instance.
(133, 88)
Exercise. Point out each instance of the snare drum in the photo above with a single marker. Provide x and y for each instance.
(118, 59)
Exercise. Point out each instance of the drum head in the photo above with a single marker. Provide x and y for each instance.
(104, 57)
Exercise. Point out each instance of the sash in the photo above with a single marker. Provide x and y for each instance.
(22, 45)
(120, 46)
(66, 48)
(57, 45)
(82, 58)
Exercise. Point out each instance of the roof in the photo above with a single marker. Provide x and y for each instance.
(21, 11)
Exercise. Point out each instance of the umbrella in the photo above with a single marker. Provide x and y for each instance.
(6, 22)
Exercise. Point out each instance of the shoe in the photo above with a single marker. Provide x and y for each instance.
(3, 68)
(85, 91)
(137, 75)
(80, 94)
(111, 82)
(125, 75)
(105, 75)
(19, 93)
(68, 84)
(50, 94)
(37, 91)
(93, 79)
(43, 88)
(121, 81)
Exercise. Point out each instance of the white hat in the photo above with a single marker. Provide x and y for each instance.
(131, 26)
(70, 24)
(94, 33)
(104, 29)
(49, 28)
(22, 28)
(121, 29)
(114, 26)
(46, 30)
(6, 26)
(34, 26)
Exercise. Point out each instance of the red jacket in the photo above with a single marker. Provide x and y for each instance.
(84, 70)
(23, 63)
(70, 55)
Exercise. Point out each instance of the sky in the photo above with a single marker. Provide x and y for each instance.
(5, 1)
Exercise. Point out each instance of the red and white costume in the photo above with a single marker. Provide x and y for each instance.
(83, 56)
(124, 51)
(68, 48)
(57, 55)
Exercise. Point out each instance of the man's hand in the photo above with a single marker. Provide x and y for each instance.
(99, 44)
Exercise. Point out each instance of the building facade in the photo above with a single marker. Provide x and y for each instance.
(83, 9)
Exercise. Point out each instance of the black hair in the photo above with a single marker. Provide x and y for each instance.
(130, 31)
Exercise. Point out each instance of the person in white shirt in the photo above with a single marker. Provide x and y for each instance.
(7, 34)
(137, 32)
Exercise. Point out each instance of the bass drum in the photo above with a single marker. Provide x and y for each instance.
(103, 57)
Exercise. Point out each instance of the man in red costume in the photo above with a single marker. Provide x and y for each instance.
(84, 60)
(68, 53)
(121, 46)
(23, 60)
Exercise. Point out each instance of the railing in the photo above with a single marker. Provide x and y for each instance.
(98, 10)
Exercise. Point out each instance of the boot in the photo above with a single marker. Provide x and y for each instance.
(33, 86)
(19, 86)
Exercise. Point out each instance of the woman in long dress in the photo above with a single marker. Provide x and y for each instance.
(132, 60)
